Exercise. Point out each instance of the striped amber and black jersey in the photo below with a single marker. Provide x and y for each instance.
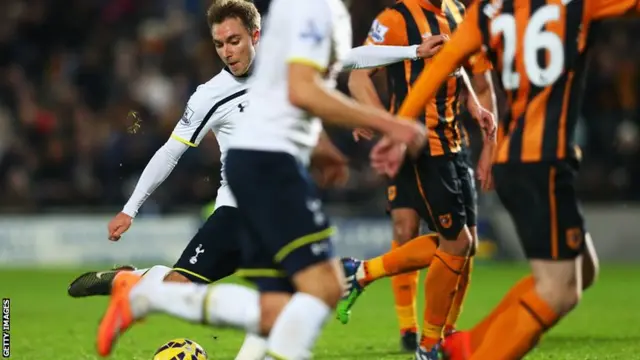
(404, 24)
(538, 47)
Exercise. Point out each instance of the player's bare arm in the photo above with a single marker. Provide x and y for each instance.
(363, 89)
(368, 59)
(307, 92)
(482, 84)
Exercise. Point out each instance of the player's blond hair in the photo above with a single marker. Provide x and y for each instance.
(246, 11)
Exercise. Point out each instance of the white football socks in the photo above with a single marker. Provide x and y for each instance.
(155, 274)
(254, 347)
(220, 305)
(141, 272)
(295, 331)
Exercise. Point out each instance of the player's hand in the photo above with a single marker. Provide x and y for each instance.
(485, 119)
(410, 133)
(329, 167)
(119, 225)
(485, 164)
(430, 45)
(387, 157)
(362, 133)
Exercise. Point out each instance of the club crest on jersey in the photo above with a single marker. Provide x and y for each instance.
(378, 31)
(186, 117)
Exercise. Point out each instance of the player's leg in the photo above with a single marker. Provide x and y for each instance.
(195, 264)
(213, 254)
(281, 206)
(590, 270)
(465, 173)
(441, 191)
(405, 204)
(214, 251)
(134, 297)
(542, 202)
(406, 226)
(288, 214)
(231, 305)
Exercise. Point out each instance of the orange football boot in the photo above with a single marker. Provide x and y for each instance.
(118, 317)
(457, 346)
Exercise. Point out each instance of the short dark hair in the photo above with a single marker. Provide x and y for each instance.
(246, 11)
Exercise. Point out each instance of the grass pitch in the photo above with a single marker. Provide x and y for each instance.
(47, 324)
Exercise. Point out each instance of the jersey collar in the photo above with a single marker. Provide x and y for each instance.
(247, 74)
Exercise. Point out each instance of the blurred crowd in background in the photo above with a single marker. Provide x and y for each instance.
(89, 90)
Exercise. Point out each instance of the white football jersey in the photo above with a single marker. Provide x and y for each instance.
(314, 32)
(216, 105)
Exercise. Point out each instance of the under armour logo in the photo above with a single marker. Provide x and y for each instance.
(243, 105)
(194, 258)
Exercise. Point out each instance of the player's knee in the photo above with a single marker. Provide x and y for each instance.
(323, 281)
(174, 276)
(460, 245)
(561, 293)
(405, 228)
(271, 305)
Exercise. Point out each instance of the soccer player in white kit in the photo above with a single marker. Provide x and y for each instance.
(213, 253)
(289, 251)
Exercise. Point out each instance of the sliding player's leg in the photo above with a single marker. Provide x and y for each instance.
(211, 255)
(541, 200)
(134, 297)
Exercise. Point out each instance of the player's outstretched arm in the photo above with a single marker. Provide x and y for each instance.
(375, 56)
(307, 91)
(154, 174)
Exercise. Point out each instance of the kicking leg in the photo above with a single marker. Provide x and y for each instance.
(133, 298)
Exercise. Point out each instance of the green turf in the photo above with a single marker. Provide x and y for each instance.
(46, 324)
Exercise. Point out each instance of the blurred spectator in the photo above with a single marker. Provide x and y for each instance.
(90, 89)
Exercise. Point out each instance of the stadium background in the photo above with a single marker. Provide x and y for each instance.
(71, 71)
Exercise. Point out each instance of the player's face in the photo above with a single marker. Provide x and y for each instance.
(234, 44)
